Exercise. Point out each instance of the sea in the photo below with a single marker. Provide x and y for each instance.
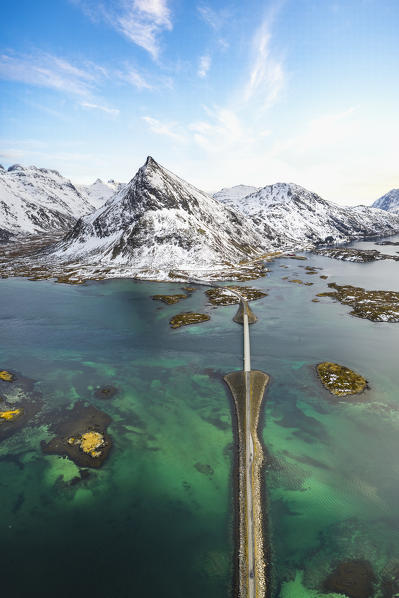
(157, 519)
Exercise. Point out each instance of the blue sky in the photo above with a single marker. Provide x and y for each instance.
(221, 93)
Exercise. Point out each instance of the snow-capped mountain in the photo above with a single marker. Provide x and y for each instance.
(36, 200)
(388, 202)
(234, 193)
(305, 219)
(158, 222)
(99, 192)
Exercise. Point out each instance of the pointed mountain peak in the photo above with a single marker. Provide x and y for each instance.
(98, 182)
(151, 164)
(150, 161)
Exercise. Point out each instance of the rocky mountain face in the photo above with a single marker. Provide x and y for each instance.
(158, 222)
(388, 202)
(288, 212)
(37, 200)
(99, 192)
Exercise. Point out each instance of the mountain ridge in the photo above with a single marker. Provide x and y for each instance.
(388, 202)
(306, 219)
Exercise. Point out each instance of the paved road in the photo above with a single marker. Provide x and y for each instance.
(249, 455)
(249, 450)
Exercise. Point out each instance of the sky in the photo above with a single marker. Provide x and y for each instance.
(221, 93)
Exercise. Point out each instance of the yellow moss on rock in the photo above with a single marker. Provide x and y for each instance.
(89, 442)
(6, 376)
(10, 415)
(340, 380)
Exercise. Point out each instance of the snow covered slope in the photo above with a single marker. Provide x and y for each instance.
(158, 222)
(98, 193)
(35, 200)
(388, 202)
(305, 219)
(234, 193)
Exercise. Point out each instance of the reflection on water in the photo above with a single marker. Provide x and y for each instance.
(156, 520)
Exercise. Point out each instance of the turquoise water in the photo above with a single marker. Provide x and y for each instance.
(150, 522)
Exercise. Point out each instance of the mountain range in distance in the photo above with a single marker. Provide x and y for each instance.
(158, 224)
(37, 200)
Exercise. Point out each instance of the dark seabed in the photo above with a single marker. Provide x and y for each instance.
(156, 519)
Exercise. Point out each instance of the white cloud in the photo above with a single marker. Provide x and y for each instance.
(214, 18)
(168, 129)
(140, 21)
(156, 10)
(266, 77)
(204, 66)
(222, 131)
(133, 77)
(111, 111)
(46, 70)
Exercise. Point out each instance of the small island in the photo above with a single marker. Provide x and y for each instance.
(224, 296)
(377, 306)
(187, 318)
(311, 269)
(169, 299)
(340, 380)
(348, 254)
(82, 436)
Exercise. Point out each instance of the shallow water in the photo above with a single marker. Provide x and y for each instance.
(150, 522)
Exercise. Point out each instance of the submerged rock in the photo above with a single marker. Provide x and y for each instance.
(340, 380)
(354, 579)
(204, 468)
(105, 392)
(187, 318)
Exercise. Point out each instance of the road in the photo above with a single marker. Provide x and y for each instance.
(249, 454)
